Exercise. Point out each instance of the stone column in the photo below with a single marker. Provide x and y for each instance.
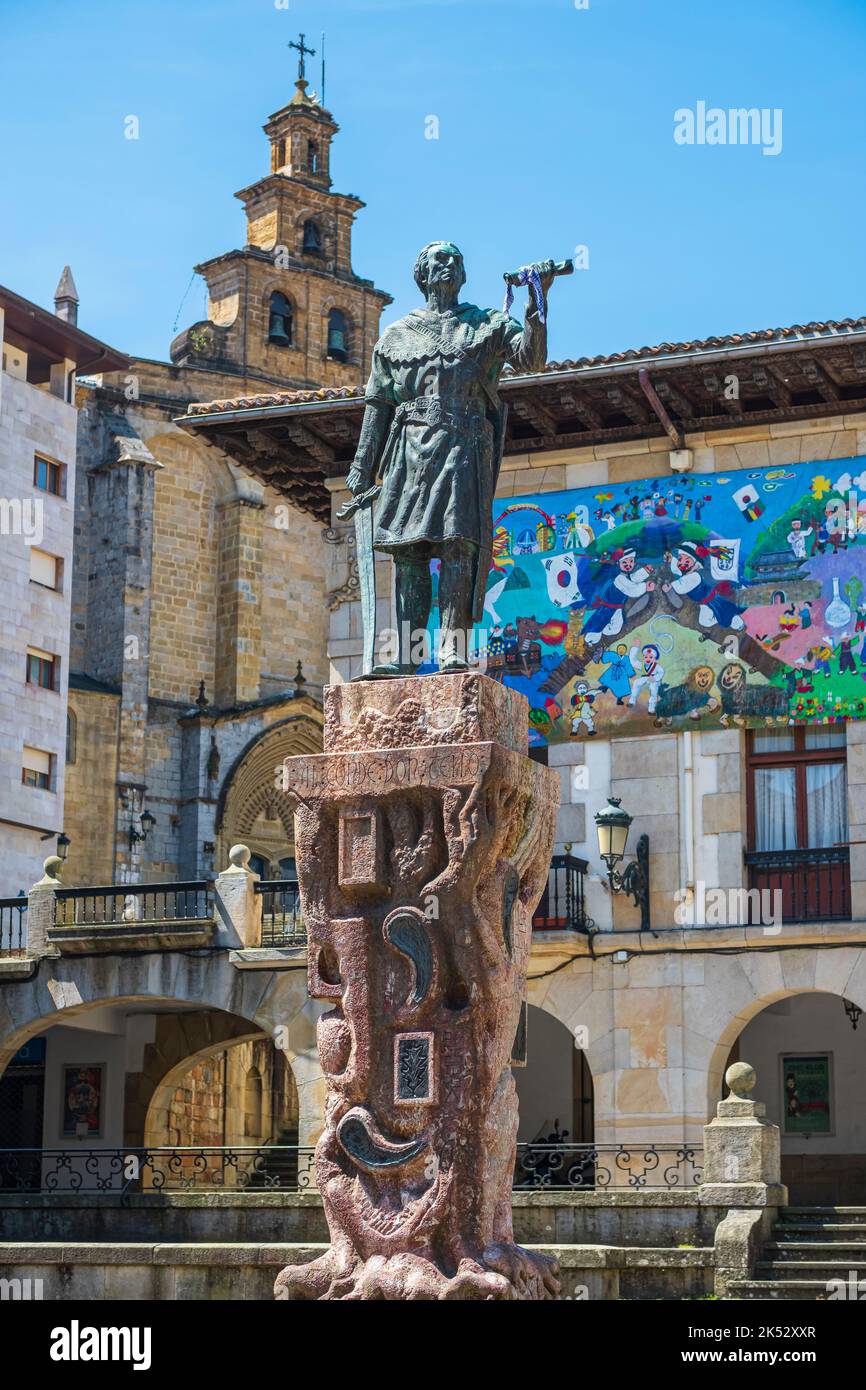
(742, 1170)
(239, 609)
(423, 836)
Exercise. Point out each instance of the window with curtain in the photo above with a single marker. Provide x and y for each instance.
(798, 788)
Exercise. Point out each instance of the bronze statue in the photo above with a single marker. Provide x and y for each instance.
(433, 433)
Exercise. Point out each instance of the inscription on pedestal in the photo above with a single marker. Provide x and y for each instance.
(413, 1056)
(382, 771)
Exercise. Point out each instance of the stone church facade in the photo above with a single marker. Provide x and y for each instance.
(199, 632)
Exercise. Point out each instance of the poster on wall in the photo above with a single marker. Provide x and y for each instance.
(806, 1094)
(82, 1101)
(696, 600)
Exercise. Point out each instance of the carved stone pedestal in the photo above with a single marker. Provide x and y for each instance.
(423, 839)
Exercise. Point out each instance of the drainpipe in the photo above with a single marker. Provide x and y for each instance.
(687, 809)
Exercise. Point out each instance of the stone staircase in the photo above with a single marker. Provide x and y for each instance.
(809, 1247)
(279, 1163)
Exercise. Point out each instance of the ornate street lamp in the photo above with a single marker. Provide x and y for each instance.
(612, 826)
(147, 822)
(63, 843)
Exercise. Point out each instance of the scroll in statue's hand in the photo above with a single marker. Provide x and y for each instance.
(546, 273)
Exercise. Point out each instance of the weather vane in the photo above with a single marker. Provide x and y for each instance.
(302, 53)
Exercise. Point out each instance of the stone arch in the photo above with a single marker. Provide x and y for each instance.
(264, 1000)
(847, 985)
(554, 1087)
(250, 809)
(181, 1040)
(159, 1108)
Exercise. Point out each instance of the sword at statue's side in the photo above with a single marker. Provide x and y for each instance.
(361, 508)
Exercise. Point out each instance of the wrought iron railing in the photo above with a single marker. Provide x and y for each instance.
(562, 906)
(804, 885)
(282, 924)
(125, 904)
(160, 1169)
(589, 1167)
(13, 926)
(290, 1168)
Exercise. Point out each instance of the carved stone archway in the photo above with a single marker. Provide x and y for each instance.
(251, 810)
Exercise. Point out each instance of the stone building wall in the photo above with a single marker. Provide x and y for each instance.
(32, 420)
(91, 787)
(240, 1097)
(658, 1016)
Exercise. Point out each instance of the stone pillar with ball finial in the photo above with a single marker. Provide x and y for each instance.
(742, 1171)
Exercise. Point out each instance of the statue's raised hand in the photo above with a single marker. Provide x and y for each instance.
(546, 273)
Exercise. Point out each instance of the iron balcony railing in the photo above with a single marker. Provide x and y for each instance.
(248, 1168)
(590, 1167)
(799, 885)
(562, 906)
(282, 924)
(291, 1168)
(13, 926)
(147, 904)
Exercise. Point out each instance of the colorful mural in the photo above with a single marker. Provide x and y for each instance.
(683, 601)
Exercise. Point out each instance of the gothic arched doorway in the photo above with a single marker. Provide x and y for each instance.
(251, 810)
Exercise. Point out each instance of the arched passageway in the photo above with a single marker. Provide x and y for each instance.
(554, 1088)
(811, 1061)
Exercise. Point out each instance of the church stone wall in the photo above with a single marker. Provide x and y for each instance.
(91, 788)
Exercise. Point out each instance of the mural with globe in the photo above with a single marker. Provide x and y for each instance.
(697, 600)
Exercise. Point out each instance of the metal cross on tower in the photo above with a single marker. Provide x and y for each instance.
(303, 51)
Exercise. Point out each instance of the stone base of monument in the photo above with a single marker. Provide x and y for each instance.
(423, 837)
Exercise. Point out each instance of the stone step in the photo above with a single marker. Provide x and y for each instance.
(804, 1290)
(825, 1270)
(798, 1250)
(826, 1213)
(825, 1230)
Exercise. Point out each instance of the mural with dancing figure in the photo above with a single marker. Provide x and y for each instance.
(684, 601)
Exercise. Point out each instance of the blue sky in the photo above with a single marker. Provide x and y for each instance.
(555, 130)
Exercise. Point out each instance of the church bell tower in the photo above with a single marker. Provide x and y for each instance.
(288, 310)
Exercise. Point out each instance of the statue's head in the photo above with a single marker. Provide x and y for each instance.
(440, 262)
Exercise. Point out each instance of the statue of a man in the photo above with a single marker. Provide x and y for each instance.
(433, 434)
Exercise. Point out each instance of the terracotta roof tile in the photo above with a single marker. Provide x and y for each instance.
(832, 328)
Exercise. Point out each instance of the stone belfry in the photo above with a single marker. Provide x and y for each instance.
(288, 309)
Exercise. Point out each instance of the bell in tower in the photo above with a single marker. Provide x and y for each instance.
(338, 336)
(280, 322)
(312, 239)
